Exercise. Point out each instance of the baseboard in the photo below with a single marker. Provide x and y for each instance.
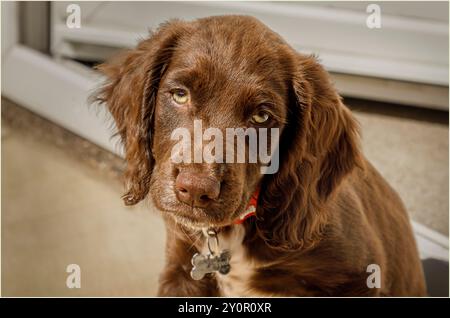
(431, 244)
(57, 91)
(392, 91)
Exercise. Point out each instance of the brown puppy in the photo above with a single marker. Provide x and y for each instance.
(321, 220)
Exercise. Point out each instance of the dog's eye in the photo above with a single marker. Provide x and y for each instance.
(180, 96)
(260, 118)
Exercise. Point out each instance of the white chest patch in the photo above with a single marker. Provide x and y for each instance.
(237, 281)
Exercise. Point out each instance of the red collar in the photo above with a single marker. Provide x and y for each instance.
(250, 210)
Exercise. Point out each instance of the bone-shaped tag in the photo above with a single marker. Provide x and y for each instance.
(205, 264)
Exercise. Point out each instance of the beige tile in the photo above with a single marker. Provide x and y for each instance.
(413, 156)
(56, 211)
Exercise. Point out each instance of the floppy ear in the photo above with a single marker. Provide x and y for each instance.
(130, 90)
(318, 148)
(332, 134)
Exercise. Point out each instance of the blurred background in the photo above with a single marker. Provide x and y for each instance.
(61, 183)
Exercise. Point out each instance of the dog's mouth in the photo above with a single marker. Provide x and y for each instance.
(200, 218)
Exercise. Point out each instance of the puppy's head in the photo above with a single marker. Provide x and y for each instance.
(226, 73)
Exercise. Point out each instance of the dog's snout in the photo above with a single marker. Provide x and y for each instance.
(196, 189)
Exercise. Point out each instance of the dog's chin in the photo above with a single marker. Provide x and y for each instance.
(201, 219)
(194, 224)
(199, 223)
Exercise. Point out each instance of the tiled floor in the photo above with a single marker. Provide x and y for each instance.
(59, 209)
(410, 149)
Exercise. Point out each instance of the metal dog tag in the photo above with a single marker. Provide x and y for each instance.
(214, 261)
(205, 264)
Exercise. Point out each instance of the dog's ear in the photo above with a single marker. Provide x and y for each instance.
(332, 134)
(319, 146)
(130, 91)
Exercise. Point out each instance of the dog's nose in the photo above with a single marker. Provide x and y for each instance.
(196, 189)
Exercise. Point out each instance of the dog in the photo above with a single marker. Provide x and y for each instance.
(325, 224)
